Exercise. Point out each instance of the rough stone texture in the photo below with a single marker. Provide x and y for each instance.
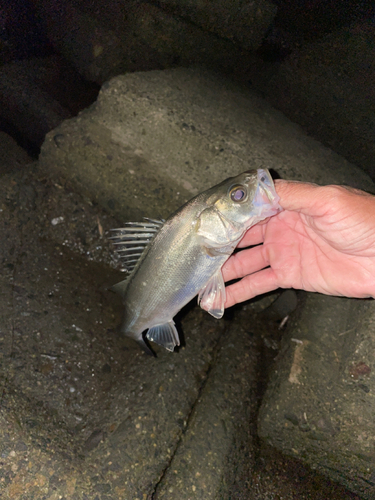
(33, 99)
(13, 157)
(155, 139)
(104, 39)
(198, 467)
(83, 413)
(243, 21)
(319, 406)
(25, 104)
(327, 87)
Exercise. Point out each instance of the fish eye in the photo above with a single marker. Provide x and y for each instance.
(238, 193)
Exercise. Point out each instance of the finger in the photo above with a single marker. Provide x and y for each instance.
(249, 287)
(245, 262)
(298, 196)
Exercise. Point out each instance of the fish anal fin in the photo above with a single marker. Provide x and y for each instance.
(165, 335)
(212, 296)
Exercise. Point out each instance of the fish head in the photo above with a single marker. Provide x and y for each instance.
(247, 198)
(234, 206)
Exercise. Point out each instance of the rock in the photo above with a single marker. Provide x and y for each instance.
(245, 22)
(23, 101)
(12, 156)
(22, 34)
(216, 426)
(95, 415)
(327, 87)
(102, 39)
(282, 307)
(66, 425)
(153, 140)
(319, 405)
(33, 100)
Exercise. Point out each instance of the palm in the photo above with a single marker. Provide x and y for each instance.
(327, 247)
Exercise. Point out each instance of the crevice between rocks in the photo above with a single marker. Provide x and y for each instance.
(211, 365)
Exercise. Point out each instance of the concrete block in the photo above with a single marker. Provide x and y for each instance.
(244, 22)
(12, 156)
(327, 87)
(319, 405)
(104, 40)
(153, 140)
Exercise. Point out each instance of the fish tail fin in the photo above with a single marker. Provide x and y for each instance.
(165, 335)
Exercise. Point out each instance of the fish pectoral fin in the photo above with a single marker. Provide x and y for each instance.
(165, 335)
(212, 296)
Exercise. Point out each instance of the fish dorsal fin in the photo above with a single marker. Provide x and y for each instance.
(131, 240)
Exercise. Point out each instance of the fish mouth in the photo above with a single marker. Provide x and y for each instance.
(266, 199)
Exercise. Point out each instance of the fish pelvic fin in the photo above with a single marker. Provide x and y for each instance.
(165, 335)
(212, 296)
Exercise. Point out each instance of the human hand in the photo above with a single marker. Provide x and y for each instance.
(323, 241)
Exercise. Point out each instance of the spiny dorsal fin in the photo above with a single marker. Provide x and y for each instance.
(131, 240)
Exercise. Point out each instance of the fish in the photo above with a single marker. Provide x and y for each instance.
(171, 261)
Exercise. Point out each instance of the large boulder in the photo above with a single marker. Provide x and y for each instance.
(319, 405)
(33, 99)
(245, 22)
(13, 157)
(103, 39)
(152, 140)
(327, 87)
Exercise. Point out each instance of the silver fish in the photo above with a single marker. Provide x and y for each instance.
(174, 260)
